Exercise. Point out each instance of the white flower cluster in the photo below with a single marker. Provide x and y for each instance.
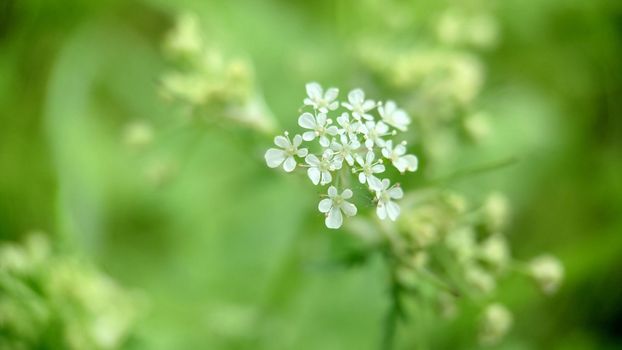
(358, 144)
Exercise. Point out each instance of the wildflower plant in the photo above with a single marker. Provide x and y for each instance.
(340, 140)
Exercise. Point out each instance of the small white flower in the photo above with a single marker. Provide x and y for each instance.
(345, 150)
(319, 126)
(348, 128)
(319, 100)
(374, 132)
(334, 205)
(275, 157)
(496, 322)
(548, 272)
(398, 157)
(386, 205)
(358, 105)
(394, 116)
(368, 169)
(319, 169)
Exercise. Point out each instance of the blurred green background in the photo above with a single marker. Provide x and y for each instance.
(231, 255)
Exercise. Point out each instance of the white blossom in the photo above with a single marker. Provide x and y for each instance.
(368, 169)
(319, 126)
(394, 116)
(548, 272)
(347, 127)
(385, 196)
(275, 157)
(346, 150)
(334, 205)
(496, 322)
(399, 158)
(320, 100)
(374, 132)
(358, 105)
(319, 169)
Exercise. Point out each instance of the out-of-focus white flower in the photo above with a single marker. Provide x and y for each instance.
(496, 211)
(394, 116)
(346, 150)
(477, 126)
(368, 169)
(334, 205)
(480, 279)
(319, 169)
(319, 126)
(495, 252)
(275, 157)
(496, 322)
(320, 100)
(399, 158)
(548, 273)
(385, 196)
(347, 127)
(374, 132)
(185, 38)
(359, 105)
(462, 242)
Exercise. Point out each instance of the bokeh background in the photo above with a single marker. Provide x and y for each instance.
(225, 253)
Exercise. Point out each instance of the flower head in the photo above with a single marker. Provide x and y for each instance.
(548, 272)
(346, 150)
(394, 116)
(374, 133)
(358, 105)
(385, 196)
(275, 157)
(336, 204)
(399, 158)
(320, 169)
(368, 169)
(347, 127)
(320, 127)
(320, 100)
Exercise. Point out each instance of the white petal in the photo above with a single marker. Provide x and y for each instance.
(362, 178)
(281, 141)
(290, 164)
(332, 191)
(321, 119)
(324, 141)
(348, 208)
(331, 94)
(307, 121)
(297, 140)
(356, 96)
(374, 183)
(412, 162)
(314, 175)
(334, 218)
(302, 152)
(393, 210)
(400, 164)
(382, 128)
(369, 104)
(308, 136)
(325, 205)
(333, 106)
(326, 178)
(381, 211)
(385, 183)
(332, 130)
(312, 160)
(386, 152)
(346, 194)
(274, 157)
(396, 192)
(314, 90)
(378, 168)
(369, 157)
